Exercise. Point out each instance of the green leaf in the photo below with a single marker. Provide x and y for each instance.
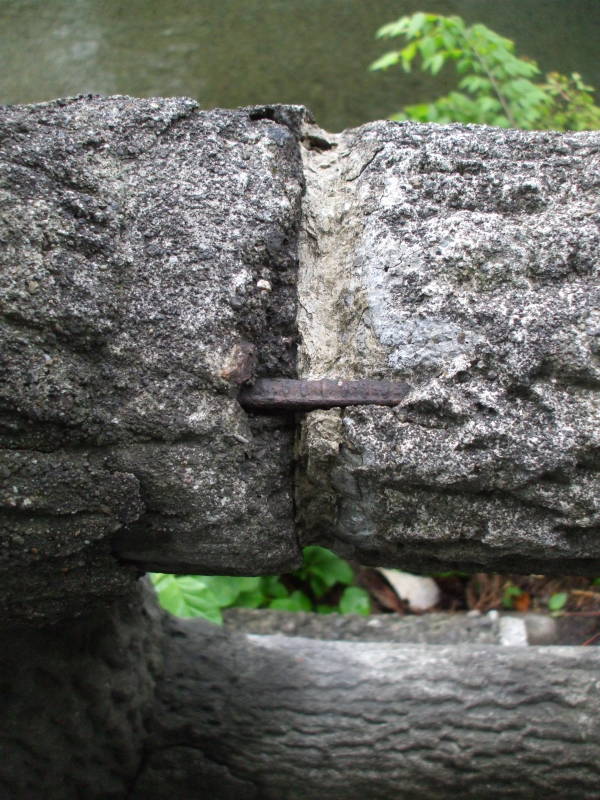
(251, 599)
(558, 601)
(510, 593)
(427, 48)
(408, 53)
(416, 23)
(226, 588)
(464, 64)
(386, 60)
(318, 585)
(487, 104)
(323, 609)
(516, 67)
(271, 586)
(393, 28)
(355, 600)
(436, 63)
(297, 601)
(475, 83)
(186, 596)
(419, 113)
(449, 41)
(323, 569)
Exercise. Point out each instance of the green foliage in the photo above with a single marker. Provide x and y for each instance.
(322, 569)
(558, 601)
(496, 87)
(186, 596)
(572, 107)
(510, 595)
(296, 601)
(355, 600)
(206, 595)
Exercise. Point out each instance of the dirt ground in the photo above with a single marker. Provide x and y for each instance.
(574, 602)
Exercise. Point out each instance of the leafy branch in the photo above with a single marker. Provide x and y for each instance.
(496, 87)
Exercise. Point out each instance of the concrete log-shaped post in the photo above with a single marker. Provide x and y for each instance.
(155, 258)
(266, 717)
(148, 268)
(462, 260)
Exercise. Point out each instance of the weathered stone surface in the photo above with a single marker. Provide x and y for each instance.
(434, 628)
(430, 628)
(276, 716)
(148, 266)
(464, 260)
(238, 518)
(59, 512)
(77, 702)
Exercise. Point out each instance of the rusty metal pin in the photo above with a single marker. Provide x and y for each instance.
(280, 395)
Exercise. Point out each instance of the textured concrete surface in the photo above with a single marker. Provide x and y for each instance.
(154, 257)
(78, 701)
(266, 717)
(434, 628)
(148, 267)
(464, 260)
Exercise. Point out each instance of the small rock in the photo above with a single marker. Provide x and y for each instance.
(541, 629)
(513, 632)
(420, 592)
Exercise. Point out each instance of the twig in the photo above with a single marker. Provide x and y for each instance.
(507, 110)
(591, 639)
(581, 614)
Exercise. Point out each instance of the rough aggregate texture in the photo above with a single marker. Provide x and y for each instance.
(464, 260)
(427, 629)
(149, 262)
(148, 266)
(431, 628)
(59, 512)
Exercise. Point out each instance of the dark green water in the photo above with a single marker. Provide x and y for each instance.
(236, 52)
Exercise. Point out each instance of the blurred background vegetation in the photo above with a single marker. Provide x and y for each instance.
(237, 52)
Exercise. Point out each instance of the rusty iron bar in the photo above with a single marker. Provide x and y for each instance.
(280, 395)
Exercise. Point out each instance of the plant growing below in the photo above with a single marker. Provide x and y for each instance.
(323, 578)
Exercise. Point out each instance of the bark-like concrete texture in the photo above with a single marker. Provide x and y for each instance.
(464, 260)
(78, 700)
(125, 705)
(271, 717)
